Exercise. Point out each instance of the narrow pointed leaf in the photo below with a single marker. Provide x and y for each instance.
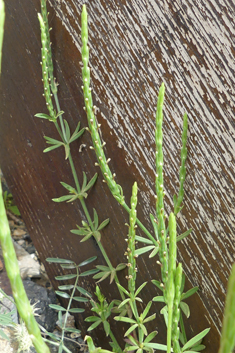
(124, 319)
(84, 292)
(66, 287)
(185, 308)
(197, 348)
(71, 329)
(80, 299)
(159, 299)
(102, 268)
(131, 348)
(144, 249)
(157, 284)
(65, 277)
(160, 347)
(150, 337)
(106, 327)
(101, 274)
(143, 240)
(89, 272)
(68, 187)
(123, 289)
(48, 149)
(62, 294)
(88, 236)
(61, 112)
(184, 235)
(132, 328)
(143, 328)
(81, 231)
(62, 198)
(155, 226)
(69, 266)
(92, 319)
(140, 288)
(58, 260)
(195, 339)
(43, 116)
(74, 137)
(96, 219)
(57, 307)
(146, 310)
(154, 252)
(94, 325)
(121, 267)
(84, 182)
(52, 141)
(77, 128)
(76, 310)
(91, 182)
(164, 312)
(125, 301)
(150, 318)
(67, 151)
(189, 293)
(103, 224)
(67, 130)
(88, 261)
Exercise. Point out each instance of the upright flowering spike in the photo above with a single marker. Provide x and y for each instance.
(48, 46)
(131, 242)
(45, 75)
(176, 309)
(115, 189)
(163, 253)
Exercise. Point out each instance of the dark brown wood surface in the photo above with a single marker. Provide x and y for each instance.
(134, 46)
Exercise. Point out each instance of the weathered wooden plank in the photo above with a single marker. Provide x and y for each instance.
(134, 47)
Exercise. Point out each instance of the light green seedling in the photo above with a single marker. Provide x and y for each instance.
(11, 263)
(227, 341)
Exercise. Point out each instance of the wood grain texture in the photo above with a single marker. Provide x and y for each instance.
(134, 46)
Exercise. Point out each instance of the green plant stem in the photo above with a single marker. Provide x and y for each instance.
(170, 286)
(21, 300)
(69, 305)
(115, 341)
(163, 251)
(57, 345)
(142, 227)
(90, 220)
(115, 189)
(63, 136)
(49, 72)
(50, 68)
